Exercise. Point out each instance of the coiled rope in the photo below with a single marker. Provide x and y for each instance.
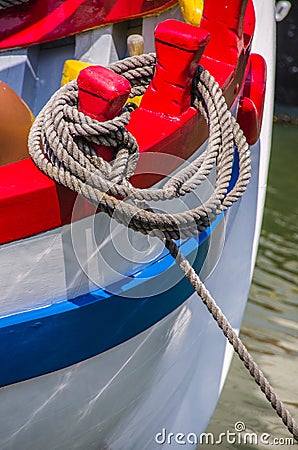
(8, 3)
(60, 143)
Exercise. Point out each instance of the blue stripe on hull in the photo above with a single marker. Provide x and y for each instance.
(37, 342)
(43, 340)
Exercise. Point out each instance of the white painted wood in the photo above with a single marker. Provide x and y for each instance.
(265, 20)
(167, 376)
(12, 68)
(150, 23)
(96, 46)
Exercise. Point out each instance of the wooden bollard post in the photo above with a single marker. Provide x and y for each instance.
(135, 44)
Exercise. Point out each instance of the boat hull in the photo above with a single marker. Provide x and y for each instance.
(41, 21)
(166, 378)
(131, 392)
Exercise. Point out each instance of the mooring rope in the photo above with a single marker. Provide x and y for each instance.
(285, 119)
(60, 143)
(9, 3)
(233, 339)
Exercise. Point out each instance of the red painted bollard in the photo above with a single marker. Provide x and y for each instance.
(102, 94)
(224, 19)
(179, 47)
(251, 104)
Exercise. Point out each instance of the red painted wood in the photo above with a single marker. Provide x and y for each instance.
(102, 94)
(157, 125)
(224, 20)
(30, 202)
(249, 23)
(171, 86)
(45, 20)
(251, 105)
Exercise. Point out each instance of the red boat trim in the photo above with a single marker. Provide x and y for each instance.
(31, 203)
(64, 333)
(251, 104)
(46, 20)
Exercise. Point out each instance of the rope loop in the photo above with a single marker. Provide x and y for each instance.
(60, 143)
(61, 138)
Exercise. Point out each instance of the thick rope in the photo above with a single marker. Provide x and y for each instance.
(9, 3)
(60, 143)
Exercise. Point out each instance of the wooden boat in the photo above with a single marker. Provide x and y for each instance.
(103, 342)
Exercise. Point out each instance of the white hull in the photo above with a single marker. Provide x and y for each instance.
(170, 375)
(147, 377)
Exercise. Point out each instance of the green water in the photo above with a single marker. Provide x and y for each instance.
(270, 325)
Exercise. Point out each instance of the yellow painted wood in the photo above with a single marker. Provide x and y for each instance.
(136, 100)
(71, 70)
(192, 11)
